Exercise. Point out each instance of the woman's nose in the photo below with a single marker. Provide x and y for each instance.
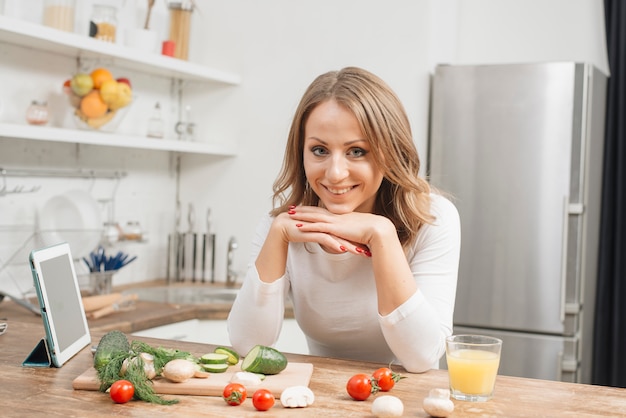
(337, 169)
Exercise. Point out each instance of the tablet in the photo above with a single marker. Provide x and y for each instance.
(60, 302)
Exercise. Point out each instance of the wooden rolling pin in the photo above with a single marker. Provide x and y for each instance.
(93, 303)
(123, 303)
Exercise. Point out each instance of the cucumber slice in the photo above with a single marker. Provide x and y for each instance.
(215, 368)
(264, 360)
(233, 356)
(214, 358)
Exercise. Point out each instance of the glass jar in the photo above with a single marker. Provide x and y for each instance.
(180, 25)
(133, 231)
(103, 24)
(59, 14)
(37, 113)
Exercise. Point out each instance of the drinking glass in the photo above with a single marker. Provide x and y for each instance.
(473, 362)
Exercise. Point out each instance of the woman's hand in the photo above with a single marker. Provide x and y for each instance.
(352, 232)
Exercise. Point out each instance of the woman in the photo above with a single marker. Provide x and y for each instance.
(365, 251)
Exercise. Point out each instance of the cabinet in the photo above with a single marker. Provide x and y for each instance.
(41, 38)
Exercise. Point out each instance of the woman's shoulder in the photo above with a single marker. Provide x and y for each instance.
(442, 207)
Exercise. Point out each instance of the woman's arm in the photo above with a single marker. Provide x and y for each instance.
(257, 313)
(416, 331)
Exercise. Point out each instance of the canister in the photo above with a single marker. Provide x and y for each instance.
(180, 26)
(103, 24)
(59, 14)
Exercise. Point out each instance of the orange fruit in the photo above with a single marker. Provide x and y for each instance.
(99, 76)
(92, 105)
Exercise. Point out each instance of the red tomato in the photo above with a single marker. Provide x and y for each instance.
(360, 387)
(234, 394)
(263, 399)
(122, 391)
(386, 378)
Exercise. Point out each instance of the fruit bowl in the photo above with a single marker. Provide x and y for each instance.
(99, 101)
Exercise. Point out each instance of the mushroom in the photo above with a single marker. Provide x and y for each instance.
(438, 403)
(297, 397)
(387, 406)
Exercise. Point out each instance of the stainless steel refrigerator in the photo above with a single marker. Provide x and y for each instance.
(519, 150)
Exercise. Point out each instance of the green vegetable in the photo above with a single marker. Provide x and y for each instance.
(112, 344)
(214, 358)
(264, 360)
(215, 367)
(114, 348)
(233, 356)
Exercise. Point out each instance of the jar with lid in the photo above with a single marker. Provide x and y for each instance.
(59, 14)
(103, 24)
(180, 26)
(133, 231)
(37, 113)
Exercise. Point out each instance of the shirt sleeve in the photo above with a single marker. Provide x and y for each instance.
(417, 329)
(256, 316)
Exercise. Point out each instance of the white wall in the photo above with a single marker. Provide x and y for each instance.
(278, 47)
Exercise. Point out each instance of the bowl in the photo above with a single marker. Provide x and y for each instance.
(100, 109)
(107, 123)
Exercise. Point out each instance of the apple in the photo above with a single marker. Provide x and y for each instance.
(124, 96)
(81, 84)
(125, 81)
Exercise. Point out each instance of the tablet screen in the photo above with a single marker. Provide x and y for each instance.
(60, 301)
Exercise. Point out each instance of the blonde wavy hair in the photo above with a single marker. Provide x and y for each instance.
(403, 196)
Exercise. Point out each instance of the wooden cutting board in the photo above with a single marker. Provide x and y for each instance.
(295, 374)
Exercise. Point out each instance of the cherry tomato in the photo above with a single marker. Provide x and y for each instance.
(263, 399)
(360, 387)
(234, 394)
(122, 391)
(386, 378)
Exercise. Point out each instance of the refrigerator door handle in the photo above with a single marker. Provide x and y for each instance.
(564, 238)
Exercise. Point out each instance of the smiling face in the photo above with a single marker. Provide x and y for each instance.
(337, 160)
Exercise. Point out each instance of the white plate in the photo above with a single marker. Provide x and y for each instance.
(73, 217)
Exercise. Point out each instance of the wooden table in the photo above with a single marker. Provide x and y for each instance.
(36, 392)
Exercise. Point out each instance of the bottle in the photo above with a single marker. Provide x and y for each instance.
(155, 123)
(37, 113)
(103, 24)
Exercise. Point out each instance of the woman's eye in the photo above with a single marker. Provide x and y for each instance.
(357, 152)
(318, 151)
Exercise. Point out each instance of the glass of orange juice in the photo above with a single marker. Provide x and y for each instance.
(473, 362)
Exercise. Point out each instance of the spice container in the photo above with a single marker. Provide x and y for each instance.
(37, 113)
(180, 25)
(59, 14)
(103, 24)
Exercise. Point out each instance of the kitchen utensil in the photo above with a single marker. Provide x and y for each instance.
(296, 374)
(126, 302)
(93, 303)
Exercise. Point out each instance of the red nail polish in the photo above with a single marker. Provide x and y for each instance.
(292, 207)
(359, 249)
(299, 225)
(342, 248)
(368, 253)
(291, 212)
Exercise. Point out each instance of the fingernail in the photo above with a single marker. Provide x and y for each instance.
(291, 211)
(359, 249)
(299, 225)
(342, 248)
(368, 253)
(292, 207)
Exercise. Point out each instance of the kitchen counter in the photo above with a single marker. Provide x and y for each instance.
(48, 391)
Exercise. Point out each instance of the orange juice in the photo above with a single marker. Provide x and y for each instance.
(473, 372)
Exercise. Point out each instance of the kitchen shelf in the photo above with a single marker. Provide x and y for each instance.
(30, 35)
(51, 134)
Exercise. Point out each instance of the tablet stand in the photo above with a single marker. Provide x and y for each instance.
(39, 357)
